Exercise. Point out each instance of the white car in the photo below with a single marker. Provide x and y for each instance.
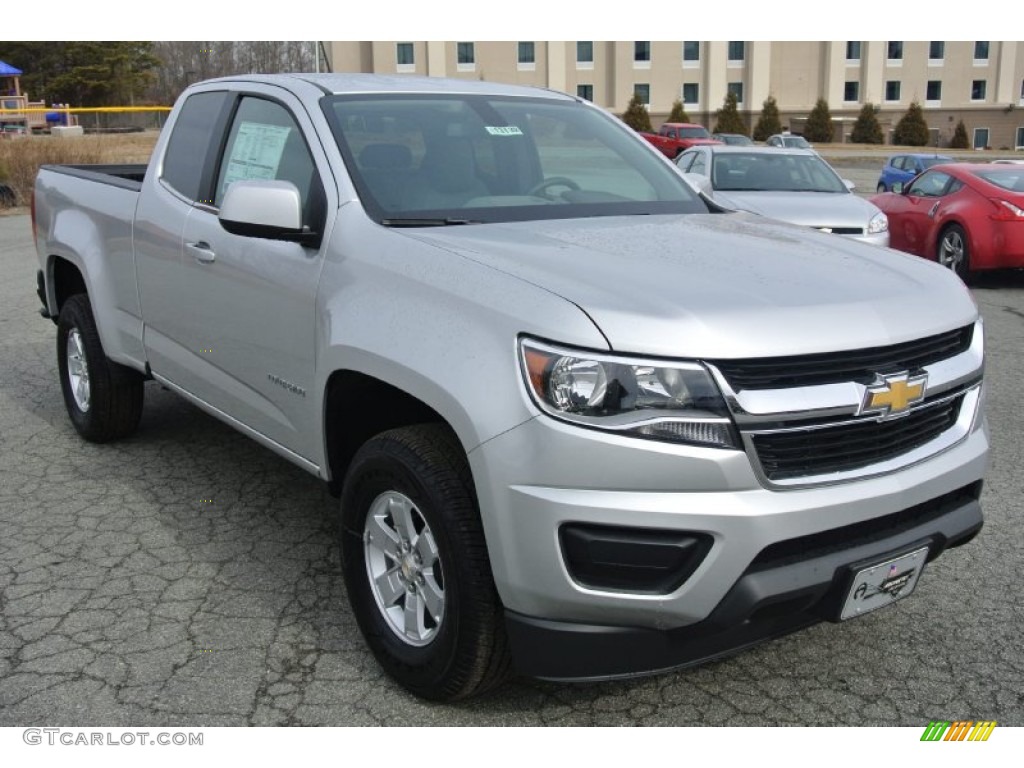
(793, 185)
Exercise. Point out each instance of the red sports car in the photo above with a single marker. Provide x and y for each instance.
(966, 216)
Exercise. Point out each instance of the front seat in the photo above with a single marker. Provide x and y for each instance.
(447, 177)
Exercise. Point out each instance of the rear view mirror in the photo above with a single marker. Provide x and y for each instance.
(267, 209)
(897, 187)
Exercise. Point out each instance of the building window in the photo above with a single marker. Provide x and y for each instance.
(978, 88)
(853, 50)
(527, 53)
(642, 51)
(981, 51)
(585, 52)
(691, 94)
(737, 90)
(736, 50)
(1020, 138)
(466, 55)
(691, 51)
(936, 50)
(851, 91)
(934, 90)
(585, 91)
(892, 90)
(980, 138)
(405, 57)
(895, 51)
(643, 91)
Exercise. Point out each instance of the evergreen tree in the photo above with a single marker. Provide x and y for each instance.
(678, 113)
(636, 115)
(768, 124)
(727, 119)
(867, 130)
(819, 123)
(959, 140)
(912, 129)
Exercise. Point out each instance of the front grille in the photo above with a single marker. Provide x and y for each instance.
(845, 447)
(858, 365)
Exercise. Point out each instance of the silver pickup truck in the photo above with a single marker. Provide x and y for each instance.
(582, 423)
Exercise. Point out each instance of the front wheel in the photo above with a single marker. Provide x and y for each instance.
(416, 565)
(103, 399)
(953, 251)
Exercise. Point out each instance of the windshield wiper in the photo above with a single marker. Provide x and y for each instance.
(426, 222)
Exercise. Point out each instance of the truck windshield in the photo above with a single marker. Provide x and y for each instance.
(420, 160)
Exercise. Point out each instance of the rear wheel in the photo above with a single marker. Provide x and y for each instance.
(953, 251)
(416, 565)
(103, 399)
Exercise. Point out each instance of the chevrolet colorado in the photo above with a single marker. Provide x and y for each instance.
(583, 424)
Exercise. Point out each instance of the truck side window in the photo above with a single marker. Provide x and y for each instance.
(265, 143)
(191, 140)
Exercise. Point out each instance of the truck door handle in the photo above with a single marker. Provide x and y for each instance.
(202, 251)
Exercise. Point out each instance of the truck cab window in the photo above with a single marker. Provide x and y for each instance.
(265, 143)
(190, 143)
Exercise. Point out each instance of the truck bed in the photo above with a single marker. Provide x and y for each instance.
(124, 175)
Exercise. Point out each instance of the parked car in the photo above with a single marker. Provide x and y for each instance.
(733, 139)
(966, 216)
(788, 141)
(583, 423)
(1008, 161)
(903, 168)
(793, 185)
(675, 138)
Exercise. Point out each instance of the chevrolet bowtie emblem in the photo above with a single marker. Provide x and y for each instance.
(894, 394)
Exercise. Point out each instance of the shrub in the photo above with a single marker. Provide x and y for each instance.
(819, 123)
(959, 140)
(912, 129)
(727, 119)
(20, 158)
(678, 113)
(768, 124)
(867, 130)
(636, 115)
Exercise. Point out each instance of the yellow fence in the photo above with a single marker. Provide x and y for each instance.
(92, 118)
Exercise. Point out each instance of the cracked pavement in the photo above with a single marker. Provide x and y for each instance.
(189, 577)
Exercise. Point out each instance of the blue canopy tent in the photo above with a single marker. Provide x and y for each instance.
(9, 80)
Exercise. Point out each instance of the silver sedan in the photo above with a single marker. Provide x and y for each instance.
(793, 185)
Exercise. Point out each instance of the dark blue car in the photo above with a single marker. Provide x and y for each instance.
(903, 168)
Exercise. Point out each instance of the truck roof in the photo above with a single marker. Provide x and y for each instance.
(351, 82)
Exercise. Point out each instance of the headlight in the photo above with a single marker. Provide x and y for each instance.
(879, 223)
(658, 400)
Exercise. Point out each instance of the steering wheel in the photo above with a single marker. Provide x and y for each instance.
(539, 189)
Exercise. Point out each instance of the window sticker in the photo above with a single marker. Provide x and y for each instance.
(503, 130)
(256, 152)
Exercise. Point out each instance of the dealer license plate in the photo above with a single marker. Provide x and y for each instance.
(879, 585)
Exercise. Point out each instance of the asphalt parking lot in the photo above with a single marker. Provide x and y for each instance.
(189, 577)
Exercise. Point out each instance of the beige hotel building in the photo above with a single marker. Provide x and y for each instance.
(981, 82)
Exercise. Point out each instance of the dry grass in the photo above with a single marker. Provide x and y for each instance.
(21, 157)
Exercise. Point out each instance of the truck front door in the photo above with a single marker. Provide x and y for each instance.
(249, 316)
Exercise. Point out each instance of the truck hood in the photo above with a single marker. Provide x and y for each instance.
(720, 285)
(809, 209)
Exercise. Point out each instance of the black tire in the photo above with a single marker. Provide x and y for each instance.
(881, 188)
(468, 651)
(114, 399)
(952, 251)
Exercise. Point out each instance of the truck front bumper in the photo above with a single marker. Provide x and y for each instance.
(754, 563)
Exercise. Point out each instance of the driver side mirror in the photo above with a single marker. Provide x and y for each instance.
(267, 209)
(897, 187)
